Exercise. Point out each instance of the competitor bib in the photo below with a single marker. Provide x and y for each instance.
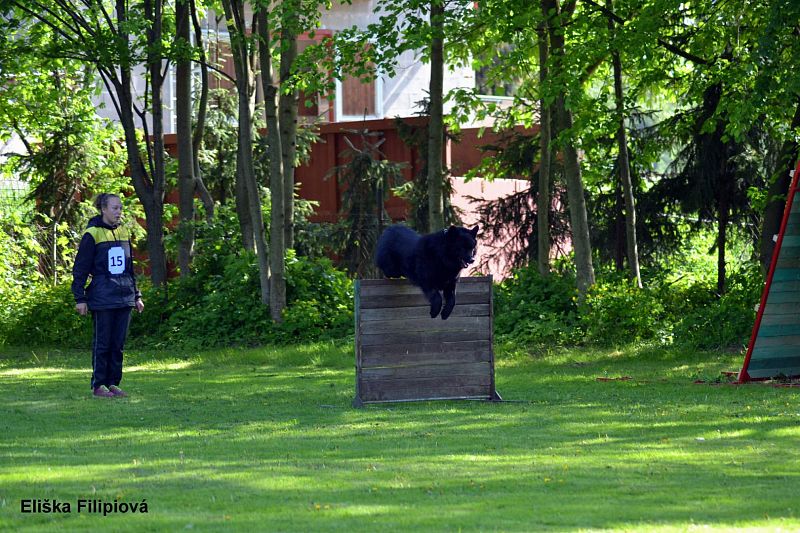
(116, 260)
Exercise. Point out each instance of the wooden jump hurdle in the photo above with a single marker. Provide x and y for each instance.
(402, 354)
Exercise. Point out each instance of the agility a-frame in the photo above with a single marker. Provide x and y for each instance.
(774, 348)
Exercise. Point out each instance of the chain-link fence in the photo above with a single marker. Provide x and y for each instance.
(12, 194)
(41, 242)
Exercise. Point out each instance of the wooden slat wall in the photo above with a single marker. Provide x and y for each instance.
(777, 347)
(402, 354)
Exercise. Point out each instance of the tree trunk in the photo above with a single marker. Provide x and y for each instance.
(722, 240)
(620, 246)
(149, 187)
(436, 123)
(277, 233)
(545, 162)
(153, 12)
(234, 13)
(578, 216)
(243, 208)
(202, 109)
(776, 197)
(288, 114)
(572, 169)
(183, 125)
(623, 164)
(142, 182)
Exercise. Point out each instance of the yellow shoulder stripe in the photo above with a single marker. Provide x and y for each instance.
(106, 235)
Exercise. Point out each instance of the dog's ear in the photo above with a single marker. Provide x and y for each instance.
(451, 232)
(474, 231)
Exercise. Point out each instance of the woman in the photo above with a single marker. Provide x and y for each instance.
(105, 254)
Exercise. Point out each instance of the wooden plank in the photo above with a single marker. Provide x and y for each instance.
(449, 381)
(399, 282)
(460, 310)
(786, 260)
(406, 348)
(785, 297)
(474, 392)
(403, 353)
(786, 330)
(775, 363)
(786, 274)
(769, 352)
(357, 316)
(423, 337)
(425, 371)
(771, 373)
(777, 341)
(463, 357)
(427, 324)
(778, 319)
(405, 287)
(780, 309)
(412, 300)
(493, 384)
(424, 388)
(784, 286)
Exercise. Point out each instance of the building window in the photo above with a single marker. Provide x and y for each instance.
(359, 100)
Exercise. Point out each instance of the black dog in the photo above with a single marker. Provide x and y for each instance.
(432, 262)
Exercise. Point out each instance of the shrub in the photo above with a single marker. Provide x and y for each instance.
(616, 311)
(221, 305)
(720, 322)
(532, 309)
(43, 315)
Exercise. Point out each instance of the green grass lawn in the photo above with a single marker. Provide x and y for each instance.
(266, 440)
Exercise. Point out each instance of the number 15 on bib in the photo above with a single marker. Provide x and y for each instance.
(116, 260)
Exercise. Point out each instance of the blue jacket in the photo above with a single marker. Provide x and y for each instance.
(105, 254)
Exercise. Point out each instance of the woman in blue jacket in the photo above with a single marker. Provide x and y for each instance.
(105, 255)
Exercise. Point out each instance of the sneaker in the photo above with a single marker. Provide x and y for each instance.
(116, 391)
(103, 392)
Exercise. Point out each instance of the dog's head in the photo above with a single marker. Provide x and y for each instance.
(462, 243)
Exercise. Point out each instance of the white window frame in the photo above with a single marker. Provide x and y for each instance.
(339, 100)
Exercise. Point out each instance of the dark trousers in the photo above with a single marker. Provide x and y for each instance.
(110, 330)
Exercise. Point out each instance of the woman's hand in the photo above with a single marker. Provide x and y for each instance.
(82, 308)
(139, 305)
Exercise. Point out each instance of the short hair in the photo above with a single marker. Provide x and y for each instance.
(102, 200)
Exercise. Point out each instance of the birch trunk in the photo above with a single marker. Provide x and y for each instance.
(277, 293)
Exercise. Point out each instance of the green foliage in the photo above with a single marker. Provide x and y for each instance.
(672, 308)
(44, 316)
(19, 248)
(711, 322)
(532, 309)
(617, 312)
(220, 305)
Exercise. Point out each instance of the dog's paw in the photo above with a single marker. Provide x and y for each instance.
(436, 305)
(447, 309)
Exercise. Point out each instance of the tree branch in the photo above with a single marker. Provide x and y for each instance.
(669, 46)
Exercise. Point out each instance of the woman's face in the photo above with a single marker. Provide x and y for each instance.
(112, 212)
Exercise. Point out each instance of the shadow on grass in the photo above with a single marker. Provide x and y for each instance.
(267, 441)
